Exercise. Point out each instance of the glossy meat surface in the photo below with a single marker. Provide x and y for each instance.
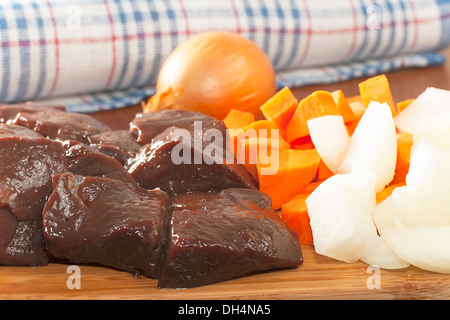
(61, 125)
(146, 126)
(27, 163)
(180, 165)
(21, 243)
(9, 112)
(86, 161)
(215, 237)
(119, 144)
(107, 222)
(145, 200)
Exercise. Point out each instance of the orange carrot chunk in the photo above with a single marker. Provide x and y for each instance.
(259, 128)
(357, 106)
(237, 119)
(317, 104)
(295, 215)
(343, 106)
(377, 89)
(351, 126)
(402, 105)
(323, 172)
(252, 148)
(302, 144)
(387, 191)
(285, 177)
(280, 108)
(404, 144)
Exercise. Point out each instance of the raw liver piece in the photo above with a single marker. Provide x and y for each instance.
(10, 130)
(85, 161)
(9, 112)
(119, 144)
(106, 221)
(154, 166)
(27, 163)
(21, 243)
(145, 126)
(61, 125)
(215, 237)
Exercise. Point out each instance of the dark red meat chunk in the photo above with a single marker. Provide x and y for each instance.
(27, 163)
(87, 161)
(164, 199)
(61, 125)
(106, 221)
(119, 144)
(9, 112)
(22, 243)
(181, 164)
(216, 237)
(146, 126)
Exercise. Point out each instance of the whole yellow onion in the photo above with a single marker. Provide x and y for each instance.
(213, 73)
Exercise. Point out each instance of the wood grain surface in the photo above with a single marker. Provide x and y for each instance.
(318, 278)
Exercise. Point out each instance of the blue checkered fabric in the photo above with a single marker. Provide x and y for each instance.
(93, 55)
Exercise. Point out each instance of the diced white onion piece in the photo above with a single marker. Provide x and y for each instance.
(340, 212)
(431, 102)
(330, 138)
(426, 247)
(373, 145)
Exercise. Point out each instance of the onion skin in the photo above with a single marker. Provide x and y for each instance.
(212, 73)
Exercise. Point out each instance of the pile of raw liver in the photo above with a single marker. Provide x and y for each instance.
(74, 190)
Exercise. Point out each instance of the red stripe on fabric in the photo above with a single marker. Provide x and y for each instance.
(415, 24)
(150, 35)
(351, 49)
(90, 103)
(236, 16)
(85, 100)
(185, 15)
(56, 43)
(87, 40)
(113, 40)
(308, 34)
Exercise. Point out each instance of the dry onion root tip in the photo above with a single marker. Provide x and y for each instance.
(160, 101)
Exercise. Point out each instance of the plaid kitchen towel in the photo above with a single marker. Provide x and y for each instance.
(93, 55)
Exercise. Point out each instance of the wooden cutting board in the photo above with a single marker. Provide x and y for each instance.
(318, 278)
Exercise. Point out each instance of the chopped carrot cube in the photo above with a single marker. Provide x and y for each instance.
(343, 106)
(404, 144)
(295, 215)
(323, 172)
(377, 89)
(280, 108)
(285, 177)
(317, 104)
(402, 105)
(237, 119)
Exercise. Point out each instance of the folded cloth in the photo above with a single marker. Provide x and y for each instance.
(93, 55)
